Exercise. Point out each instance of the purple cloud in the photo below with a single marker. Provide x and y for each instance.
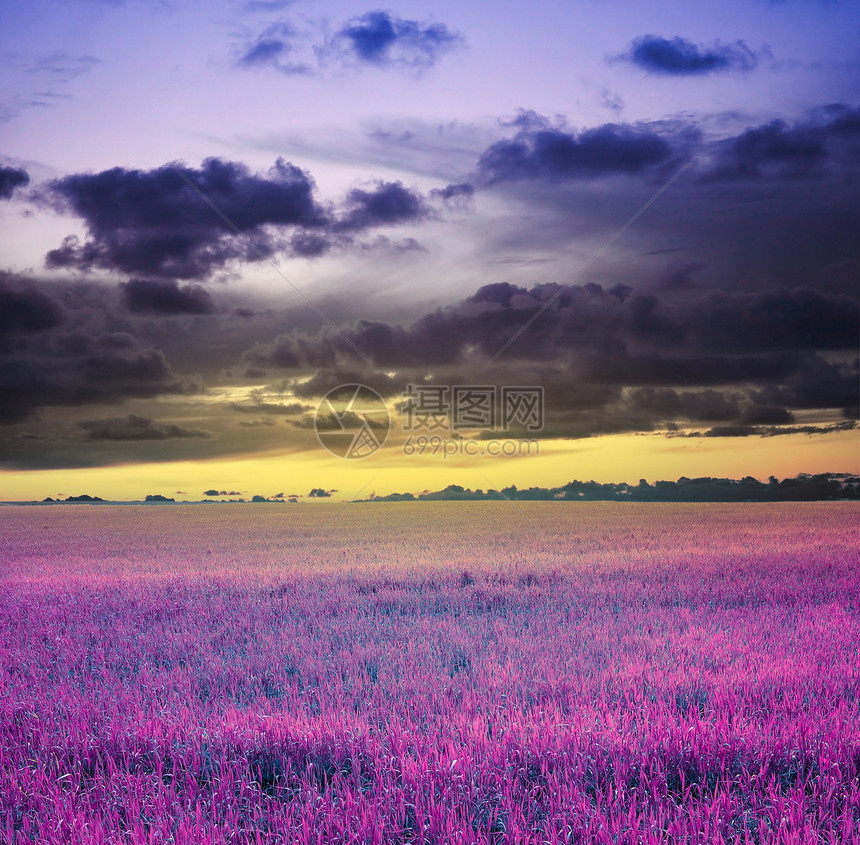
(680, 57)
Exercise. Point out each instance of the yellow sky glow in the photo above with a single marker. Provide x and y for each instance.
(612, 458)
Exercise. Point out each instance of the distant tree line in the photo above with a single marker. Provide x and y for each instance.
(826, 486)
(801, 488)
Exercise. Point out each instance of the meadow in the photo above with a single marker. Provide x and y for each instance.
(536, 672)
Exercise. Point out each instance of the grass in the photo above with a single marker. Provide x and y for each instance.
(446, 672)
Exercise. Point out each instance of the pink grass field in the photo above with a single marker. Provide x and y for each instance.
(545, 672)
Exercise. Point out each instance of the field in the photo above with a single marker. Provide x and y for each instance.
(430, 672)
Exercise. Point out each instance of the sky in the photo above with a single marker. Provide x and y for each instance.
(623, 232)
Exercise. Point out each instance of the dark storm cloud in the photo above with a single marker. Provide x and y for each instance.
(612, 331)
(680, 57)
(153, 223)
(559, 154)
(681, 371)
(57, 349)
(818, 383)
(766, 415)
(133, 427)
(293, 352)
(703, 356)
(143, 296)
(783, 228)
(385, 204)
(76, 369)
(12, 178)
(666, 403)
(827, 141)
(754, 322)
(385, 40)
(310, 244)
(782, 195)
(25, 309)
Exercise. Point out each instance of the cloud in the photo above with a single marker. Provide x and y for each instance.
(609, 360)
(680, 57)
(289, 409)
(667, 404)
(71, 369)
(377, 38)
(275, 47)
(292, 352)
(384, 40)
(766, 415)
(134, 427)
(57, 351)
(264, 51)
(824, 144)
(24, 309)
(454, 195)
(166, 297)
(677, 370)
(827, 140)
(548, 153)
(154, 224)
(12, 178)
(817, 383)
(611, 324)
(385, 204)
(771, 431)
(799, 318)
(790, 216)
(382, 243)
